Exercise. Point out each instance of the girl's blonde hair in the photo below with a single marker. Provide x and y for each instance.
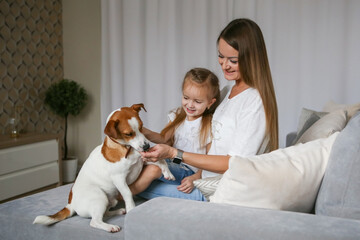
(203, 78)
(246, 37)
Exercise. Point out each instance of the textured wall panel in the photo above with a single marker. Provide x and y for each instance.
(31, 58)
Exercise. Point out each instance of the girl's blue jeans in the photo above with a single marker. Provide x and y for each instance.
(167, 188)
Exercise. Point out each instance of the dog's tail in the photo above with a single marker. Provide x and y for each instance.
(57, 217)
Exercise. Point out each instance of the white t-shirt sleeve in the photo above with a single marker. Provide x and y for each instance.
(171, 115)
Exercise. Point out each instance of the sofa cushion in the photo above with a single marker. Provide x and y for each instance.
(169, 218)
(327, 125)
(309, 122)
(207, 186)
(307, 118)
(351, 109)
(305, 115)
(16, 218)
(340, 191)
(285, 179)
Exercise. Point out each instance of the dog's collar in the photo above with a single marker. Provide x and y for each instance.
(128, 147)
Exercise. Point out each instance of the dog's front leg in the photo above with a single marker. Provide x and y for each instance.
(164, 169)
(125, 192)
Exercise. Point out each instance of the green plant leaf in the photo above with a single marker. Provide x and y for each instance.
(63, 98)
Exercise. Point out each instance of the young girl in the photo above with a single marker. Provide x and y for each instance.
(189, 129)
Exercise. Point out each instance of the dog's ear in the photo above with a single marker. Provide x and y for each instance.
(137, 107)
(110, 129)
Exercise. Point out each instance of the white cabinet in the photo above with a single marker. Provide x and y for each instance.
(28, 163)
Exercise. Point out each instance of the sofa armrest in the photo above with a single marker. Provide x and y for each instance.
(169, 218)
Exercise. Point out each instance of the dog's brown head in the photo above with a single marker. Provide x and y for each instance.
(124, 127)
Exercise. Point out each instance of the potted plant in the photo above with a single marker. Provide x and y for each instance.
(65, 98)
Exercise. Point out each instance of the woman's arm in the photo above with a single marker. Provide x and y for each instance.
(212, 163)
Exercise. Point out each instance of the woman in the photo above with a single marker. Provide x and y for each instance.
(246, 121)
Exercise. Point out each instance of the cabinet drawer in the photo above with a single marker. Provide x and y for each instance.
(16, 183)
(26, 156)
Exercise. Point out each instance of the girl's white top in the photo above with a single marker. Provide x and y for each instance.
(238, 126)
(187, 137)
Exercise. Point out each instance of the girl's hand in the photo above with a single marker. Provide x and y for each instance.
(187, 185)
(158, 152)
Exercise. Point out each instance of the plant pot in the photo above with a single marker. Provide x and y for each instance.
(69, 169)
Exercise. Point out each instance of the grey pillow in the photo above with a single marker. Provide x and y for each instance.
(339, 195)
(309, 122)
(305, 115)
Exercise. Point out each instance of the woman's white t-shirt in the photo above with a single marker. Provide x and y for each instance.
(238, 126)
(187, 137)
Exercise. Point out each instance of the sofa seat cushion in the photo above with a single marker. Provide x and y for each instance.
(340, 191)
(169, 218)
(16, 219)
(285, 179)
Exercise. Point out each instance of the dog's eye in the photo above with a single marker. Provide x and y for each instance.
(128, 134)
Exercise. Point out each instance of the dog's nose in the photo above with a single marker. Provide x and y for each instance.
(146, 147)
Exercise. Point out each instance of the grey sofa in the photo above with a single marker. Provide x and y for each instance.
(337, 209)
(336, 213)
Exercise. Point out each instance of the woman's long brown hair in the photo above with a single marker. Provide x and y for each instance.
(246, 37)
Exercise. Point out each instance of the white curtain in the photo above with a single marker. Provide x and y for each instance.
(149, 45)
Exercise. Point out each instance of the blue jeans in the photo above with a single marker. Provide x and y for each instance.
(167, 188)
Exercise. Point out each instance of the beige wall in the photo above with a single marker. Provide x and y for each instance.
(82, 63)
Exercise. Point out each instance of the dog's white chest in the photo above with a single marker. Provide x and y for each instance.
(134, 170)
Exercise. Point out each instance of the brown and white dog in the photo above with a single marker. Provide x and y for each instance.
(109, 169)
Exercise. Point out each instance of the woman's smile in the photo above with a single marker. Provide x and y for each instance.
(228, 60)
(229, 71)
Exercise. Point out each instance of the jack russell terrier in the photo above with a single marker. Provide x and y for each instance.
(109, 169)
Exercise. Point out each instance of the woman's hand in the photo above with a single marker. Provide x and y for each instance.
(158, 152)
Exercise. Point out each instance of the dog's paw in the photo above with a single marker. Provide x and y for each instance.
(169, 176)
(98, 223)
(114, 228)
(121, 211)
